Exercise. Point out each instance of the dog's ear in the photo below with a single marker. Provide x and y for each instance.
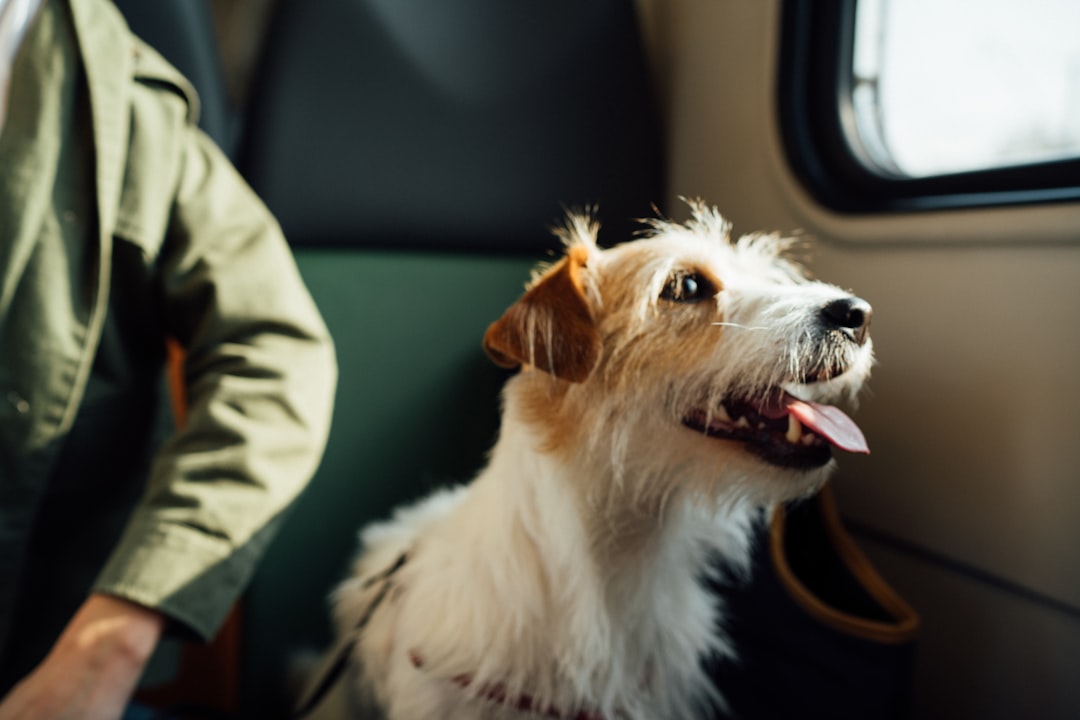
(551, 327)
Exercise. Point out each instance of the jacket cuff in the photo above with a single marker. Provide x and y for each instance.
(190, 577)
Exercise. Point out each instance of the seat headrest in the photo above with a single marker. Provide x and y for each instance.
(464, 124)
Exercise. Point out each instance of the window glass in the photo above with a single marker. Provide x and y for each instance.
(943, 86)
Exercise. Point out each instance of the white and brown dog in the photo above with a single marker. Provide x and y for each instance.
(670, 388)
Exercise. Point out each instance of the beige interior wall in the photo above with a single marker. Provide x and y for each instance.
(974, 416)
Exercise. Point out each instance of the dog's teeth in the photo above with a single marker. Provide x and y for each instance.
(722, 414)
(742, 423)
(794, 429)
(808, 439)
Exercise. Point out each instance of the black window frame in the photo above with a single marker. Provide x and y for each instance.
(822, 147)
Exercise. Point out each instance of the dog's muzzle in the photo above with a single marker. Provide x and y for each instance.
(783, 429)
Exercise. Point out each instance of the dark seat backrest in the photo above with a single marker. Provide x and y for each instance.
(451, 123)
(416, 153)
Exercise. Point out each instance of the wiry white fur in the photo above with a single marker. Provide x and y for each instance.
(570, 570)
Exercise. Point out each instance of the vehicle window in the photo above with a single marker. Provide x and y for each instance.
(948, 86)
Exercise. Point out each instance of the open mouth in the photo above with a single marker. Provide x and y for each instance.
(782, 429)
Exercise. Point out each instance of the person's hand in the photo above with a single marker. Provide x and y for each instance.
(91, 671)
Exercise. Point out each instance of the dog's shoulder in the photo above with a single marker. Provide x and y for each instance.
(382, 545)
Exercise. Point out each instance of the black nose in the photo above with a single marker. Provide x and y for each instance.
(850, 314)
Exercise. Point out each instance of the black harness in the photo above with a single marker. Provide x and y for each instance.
(338, 660)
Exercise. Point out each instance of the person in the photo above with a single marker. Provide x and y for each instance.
(124, 229)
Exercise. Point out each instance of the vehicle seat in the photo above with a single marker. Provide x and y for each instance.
(417, 153)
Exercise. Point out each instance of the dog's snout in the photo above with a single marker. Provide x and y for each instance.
(850, 314)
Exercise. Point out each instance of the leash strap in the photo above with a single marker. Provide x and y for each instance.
(332, 671)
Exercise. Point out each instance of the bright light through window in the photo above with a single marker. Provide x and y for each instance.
(943, 86)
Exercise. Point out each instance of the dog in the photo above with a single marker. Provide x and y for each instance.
(670, 388)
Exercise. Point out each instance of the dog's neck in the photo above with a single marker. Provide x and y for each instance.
(616, 583)
(629, 499)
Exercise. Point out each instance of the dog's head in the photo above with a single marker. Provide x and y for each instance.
(686, 353)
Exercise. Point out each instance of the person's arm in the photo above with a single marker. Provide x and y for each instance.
(260, 379)
(91, 671)
(259, 371)
(218, 277)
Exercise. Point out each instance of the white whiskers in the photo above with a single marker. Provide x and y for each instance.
(740, 326)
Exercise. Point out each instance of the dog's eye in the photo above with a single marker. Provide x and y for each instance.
(687, 287)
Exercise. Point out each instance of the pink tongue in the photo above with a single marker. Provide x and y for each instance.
(829, 422)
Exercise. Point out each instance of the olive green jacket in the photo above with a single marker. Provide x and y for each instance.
(122, 225)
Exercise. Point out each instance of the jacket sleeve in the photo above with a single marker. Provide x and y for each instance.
(260, 375)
